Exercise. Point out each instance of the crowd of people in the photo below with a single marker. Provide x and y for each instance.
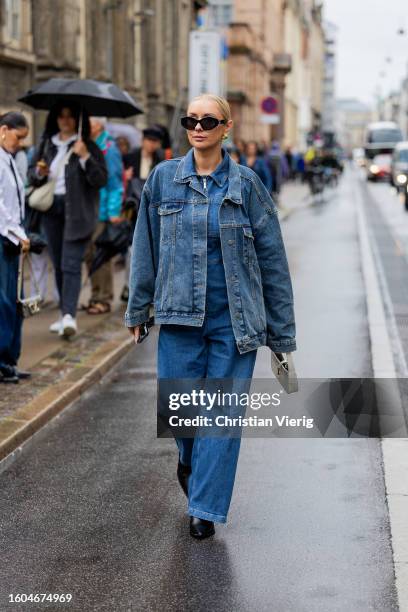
(91, 169)
(273, 165)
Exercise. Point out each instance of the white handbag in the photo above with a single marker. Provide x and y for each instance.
(41, 198)
(31, 305)
(283, 367)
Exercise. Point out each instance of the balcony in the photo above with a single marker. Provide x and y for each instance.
(240, 39)
(282, 63)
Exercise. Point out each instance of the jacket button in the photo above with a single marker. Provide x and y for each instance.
(230, 242)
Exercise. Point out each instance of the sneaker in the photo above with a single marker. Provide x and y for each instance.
(56, 327)
(69, 326)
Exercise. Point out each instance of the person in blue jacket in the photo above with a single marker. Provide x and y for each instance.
(110, 205)
(257, 163)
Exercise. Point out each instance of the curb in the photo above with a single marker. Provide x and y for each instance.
(38, 412)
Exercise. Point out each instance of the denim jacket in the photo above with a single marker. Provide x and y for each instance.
(169, 256)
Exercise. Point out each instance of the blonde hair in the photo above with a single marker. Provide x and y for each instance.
(222, 104)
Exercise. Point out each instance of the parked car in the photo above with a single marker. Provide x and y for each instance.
(379, 168)
(399, 170)
(399, 165)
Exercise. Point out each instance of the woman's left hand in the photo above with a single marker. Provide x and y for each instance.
(80, 149)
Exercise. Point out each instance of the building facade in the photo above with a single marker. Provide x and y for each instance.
(304, 38)
(17, 57)
(141, 45)
(257, 66)
(352, 118)
(276, 48)
(329, 82)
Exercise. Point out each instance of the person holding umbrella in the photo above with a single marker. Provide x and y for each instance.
(78, 168)
(208, 254)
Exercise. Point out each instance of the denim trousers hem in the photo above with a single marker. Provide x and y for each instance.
(208, 516)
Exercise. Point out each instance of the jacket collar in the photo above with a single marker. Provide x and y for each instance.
(186, 171)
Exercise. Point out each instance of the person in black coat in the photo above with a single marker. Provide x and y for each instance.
(78, 167)
(143, 159)
(138, 165)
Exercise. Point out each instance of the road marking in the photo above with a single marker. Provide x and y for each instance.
(394, 451)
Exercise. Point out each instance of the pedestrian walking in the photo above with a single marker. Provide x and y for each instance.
(289, 156)
(110, 205)
(78, 167)
(277, 165)
(138, 164)
(13, 130)
(208, 254)
(256, 162)
(240, 144)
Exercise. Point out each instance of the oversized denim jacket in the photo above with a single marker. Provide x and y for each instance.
(169, 256)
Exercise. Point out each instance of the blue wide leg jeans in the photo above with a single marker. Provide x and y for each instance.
(206, 352)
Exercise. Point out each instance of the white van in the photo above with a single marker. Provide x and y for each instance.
(381, 138)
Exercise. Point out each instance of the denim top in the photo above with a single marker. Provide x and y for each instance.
(215, 186)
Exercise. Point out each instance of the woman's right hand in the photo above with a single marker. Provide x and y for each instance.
(25, 245)
(42, 169)
(135, 332)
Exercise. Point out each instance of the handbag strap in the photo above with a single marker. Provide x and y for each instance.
(62, 163)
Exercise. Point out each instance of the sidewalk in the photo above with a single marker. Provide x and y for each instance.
(61, 370)
(294, 196)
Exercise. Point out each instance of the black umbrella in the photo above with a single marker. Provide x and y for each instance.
(96, 97)
(114, 239)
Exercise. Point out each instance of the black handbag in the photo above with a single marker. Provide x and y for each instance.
(133, 196)
(32, 226)
(37, 243)
(115, 237)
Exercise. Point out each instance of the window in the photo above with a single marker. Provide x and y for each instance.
(221, 13)
(13, 19)
(385, 135)
(402, 155)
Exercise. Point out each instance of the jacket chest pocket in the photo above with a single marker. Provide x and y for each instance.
(248, 249)
(171, 219)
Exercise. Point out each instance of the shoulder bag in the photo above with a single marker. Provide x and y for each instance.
(41, 198)
(31, 305)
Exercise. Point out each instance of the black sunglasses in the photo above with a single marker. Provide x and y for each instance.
(207, 123)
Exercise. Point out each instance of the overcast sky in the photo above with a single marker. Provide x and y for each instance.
(367, 35)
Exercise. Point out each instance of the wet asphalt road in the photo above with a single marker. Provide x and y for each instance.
(92, 507)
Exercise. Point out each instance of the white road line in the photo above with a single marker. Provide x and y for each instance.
(395, 451)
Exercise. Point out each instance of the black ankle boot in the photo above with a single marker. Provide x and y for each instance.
(183, 475)
(200, 528)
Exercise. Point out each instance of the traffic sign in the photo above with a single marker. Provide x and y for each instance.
(270, 105)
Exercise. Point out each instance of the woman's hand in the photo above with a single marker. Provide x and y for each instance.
(128, 173)
(135, 332)
(81, 149)
(42, 169)
(25, 245)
